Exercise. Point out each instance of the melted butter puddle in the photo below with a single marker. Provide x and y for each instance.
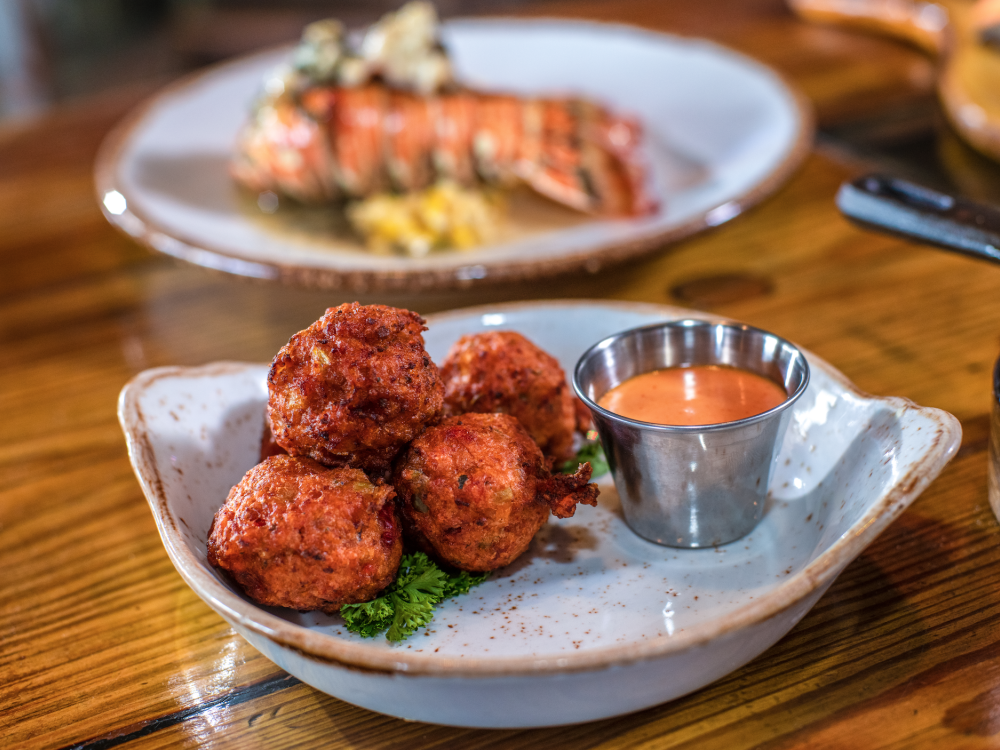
(526, 214)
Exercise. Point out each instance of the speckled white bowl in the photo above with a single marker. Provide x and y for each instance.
(592, 621)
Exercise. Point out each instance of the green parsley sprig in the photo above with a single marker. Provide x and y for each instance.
(408, 603)
(590, 451)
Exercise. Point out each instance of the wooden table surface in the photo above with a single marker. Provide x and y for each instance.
(102, 644)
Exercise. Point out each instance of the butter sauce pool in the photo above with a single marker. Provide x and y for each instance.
(704, 394)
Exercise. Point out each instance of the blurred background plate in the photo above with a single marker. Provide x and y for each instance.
(723, 132)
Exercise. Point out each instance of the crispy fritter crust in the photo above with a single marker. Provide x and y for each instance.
(503, 372)
(474, 490)
(354, 387)
(294, 533)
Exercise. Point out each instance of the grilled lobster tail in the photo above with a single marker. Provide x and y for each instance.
(335, 143)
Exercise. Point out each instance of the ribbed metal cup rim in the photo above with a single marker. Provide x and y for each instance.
(691, 323)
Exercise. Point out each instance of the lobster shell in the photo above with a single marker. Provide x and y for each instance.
(332, 143)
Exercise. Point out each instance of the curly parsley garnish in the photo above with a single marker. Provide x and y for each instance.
(590, 451)
(408, 603)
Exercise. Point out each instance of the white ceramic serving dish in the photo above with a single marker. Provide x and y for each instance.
(592, 621)
(723, 132)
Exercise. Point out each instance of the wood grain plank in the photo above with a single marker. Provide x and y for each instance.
(95, 619)
(102, 643)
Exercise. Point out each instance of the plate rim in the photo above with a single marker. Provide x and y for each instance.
(330, 651)
(148, 232)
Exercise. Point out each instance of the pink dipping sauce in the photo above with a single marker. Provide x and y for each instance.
(706, 394)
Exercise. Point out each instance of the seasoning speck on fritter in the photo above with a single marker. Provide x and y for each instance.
(474, 489)
(503, 372)
(354, 387)
(294, 533)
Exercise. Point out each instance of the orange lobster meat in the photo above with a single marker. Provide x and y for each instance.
(333, 143)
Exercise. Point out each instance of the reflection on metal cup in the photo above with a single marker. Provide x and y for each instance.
(701, 485)
(994, 470)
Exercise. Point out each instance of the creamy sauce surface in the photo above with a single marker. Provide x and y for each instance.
(706, 394)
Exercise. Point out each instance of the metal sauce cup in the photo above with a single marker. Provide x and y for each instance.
(691, 486)
(994, 471)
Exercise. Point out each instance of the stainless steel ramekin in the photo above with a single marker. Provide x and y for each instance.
(691, 486)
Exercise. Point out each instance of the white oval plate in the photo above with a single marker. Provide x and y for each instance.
(723, 131)
(592, 621)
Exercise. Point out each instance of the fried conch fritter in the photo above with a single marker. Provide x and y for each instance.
(474, 489)
(294, 533)
(354, 387)
(503, 372)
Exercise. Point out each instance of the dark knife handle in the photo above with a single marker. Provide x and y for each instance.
(887, 204)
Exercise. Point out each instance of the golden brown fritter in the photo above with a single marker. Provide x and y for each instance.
(294, 533)
(503, 372)
(474, 489)
(354, 387)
